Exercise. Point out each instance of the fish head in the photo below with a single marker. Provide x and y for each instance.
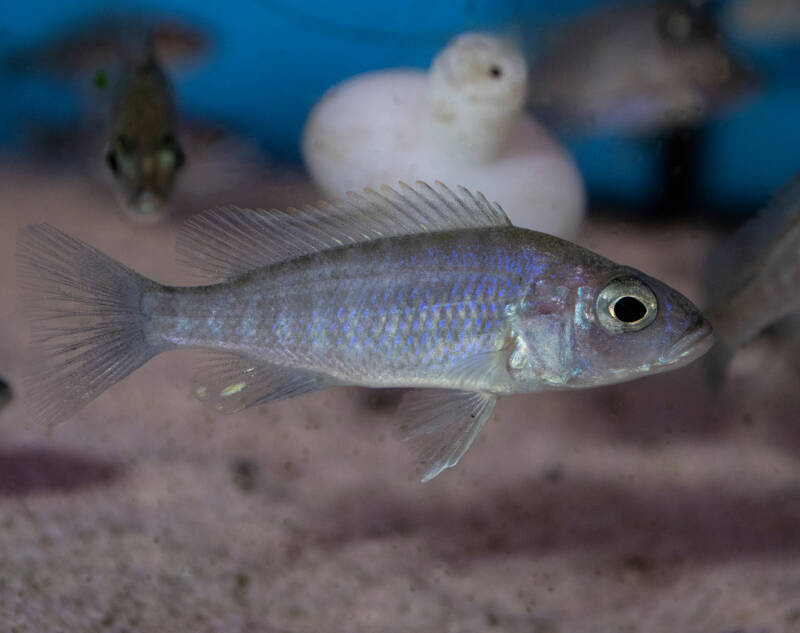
(626, 324)
(701, 73)
(483, 70)
(599, 325)
(144, 172)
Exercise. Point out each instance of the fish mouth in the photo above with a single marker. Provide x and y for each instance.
(146, 206)
(695, 342)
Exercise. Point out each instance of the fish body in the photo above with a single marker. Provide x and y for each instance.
(756, 277)
(416, 311)
(769, 20)
(143, 153)
(420, 288)
(131, 110)
(635, 68)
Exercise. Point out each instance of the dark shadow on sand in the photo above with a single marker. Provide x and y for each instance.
(669, 523)
(26, 471)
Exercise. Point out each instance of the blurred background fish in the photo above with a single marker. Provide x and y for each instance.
(121, 65)
(143, 152)
(636, 68)
(754, 278)
(227, 70)
(764, 19)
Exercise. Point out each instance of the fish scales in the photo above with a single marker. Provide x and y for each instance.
(395, 312)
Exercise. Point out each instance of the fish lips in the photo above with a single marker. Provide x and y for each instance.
(146, 206)
(695, 342)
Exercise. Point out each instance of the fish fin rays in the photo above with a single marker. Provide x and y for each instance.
(226, 243)
(229, 383)
(441, 425)
(490, 368)
(87, 322)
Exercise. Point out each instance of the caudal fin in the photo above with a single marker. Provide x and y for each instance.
(86, 319)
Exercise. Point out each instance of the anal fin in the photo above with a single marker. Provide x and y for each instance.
(229, 383)
(441, 424)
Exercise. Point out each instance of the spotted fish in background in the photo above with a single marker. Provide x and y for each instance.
(754, 277)
(635, 68)
(416, 287)
(119, 59)
(143, 153)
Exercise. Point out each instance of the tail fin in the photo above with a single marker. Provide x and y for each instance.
(86, 318)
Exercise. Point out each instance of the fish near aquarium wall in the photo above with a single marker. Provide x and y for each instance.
(277, 58)
(307, 47)
(712, 161)
(755, 147)
(270, 61)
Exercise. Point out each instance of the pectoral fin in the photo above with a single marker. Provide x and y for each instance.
(441, 424)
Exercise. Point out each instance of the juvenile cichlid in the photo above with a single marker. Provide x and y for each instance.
(636, 68)
(132, 101)
(756, 277)
(416, 287)
(143, 153)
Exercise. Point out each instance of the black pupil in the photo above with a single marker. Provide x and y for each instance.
(495, 71)
(629, 309)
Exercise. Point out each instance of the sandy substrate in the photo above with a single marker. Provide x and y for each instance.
(642, 507)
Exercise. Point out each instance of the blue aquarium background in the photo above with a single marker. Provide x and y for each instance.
(270, 60)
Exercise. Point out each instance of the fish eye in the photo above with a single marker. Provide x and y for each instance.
(495, 71)
(168, 139)
(626, 305)
(111, 161)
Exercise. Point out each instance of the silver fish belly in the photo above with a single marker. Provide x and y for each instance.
(421, 288)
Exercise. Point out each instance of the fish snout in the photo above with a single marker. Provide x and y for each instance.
(147, 206)
(695, 342)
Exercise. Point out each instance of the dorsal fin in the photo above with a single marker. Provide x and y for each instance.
(222, 244)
